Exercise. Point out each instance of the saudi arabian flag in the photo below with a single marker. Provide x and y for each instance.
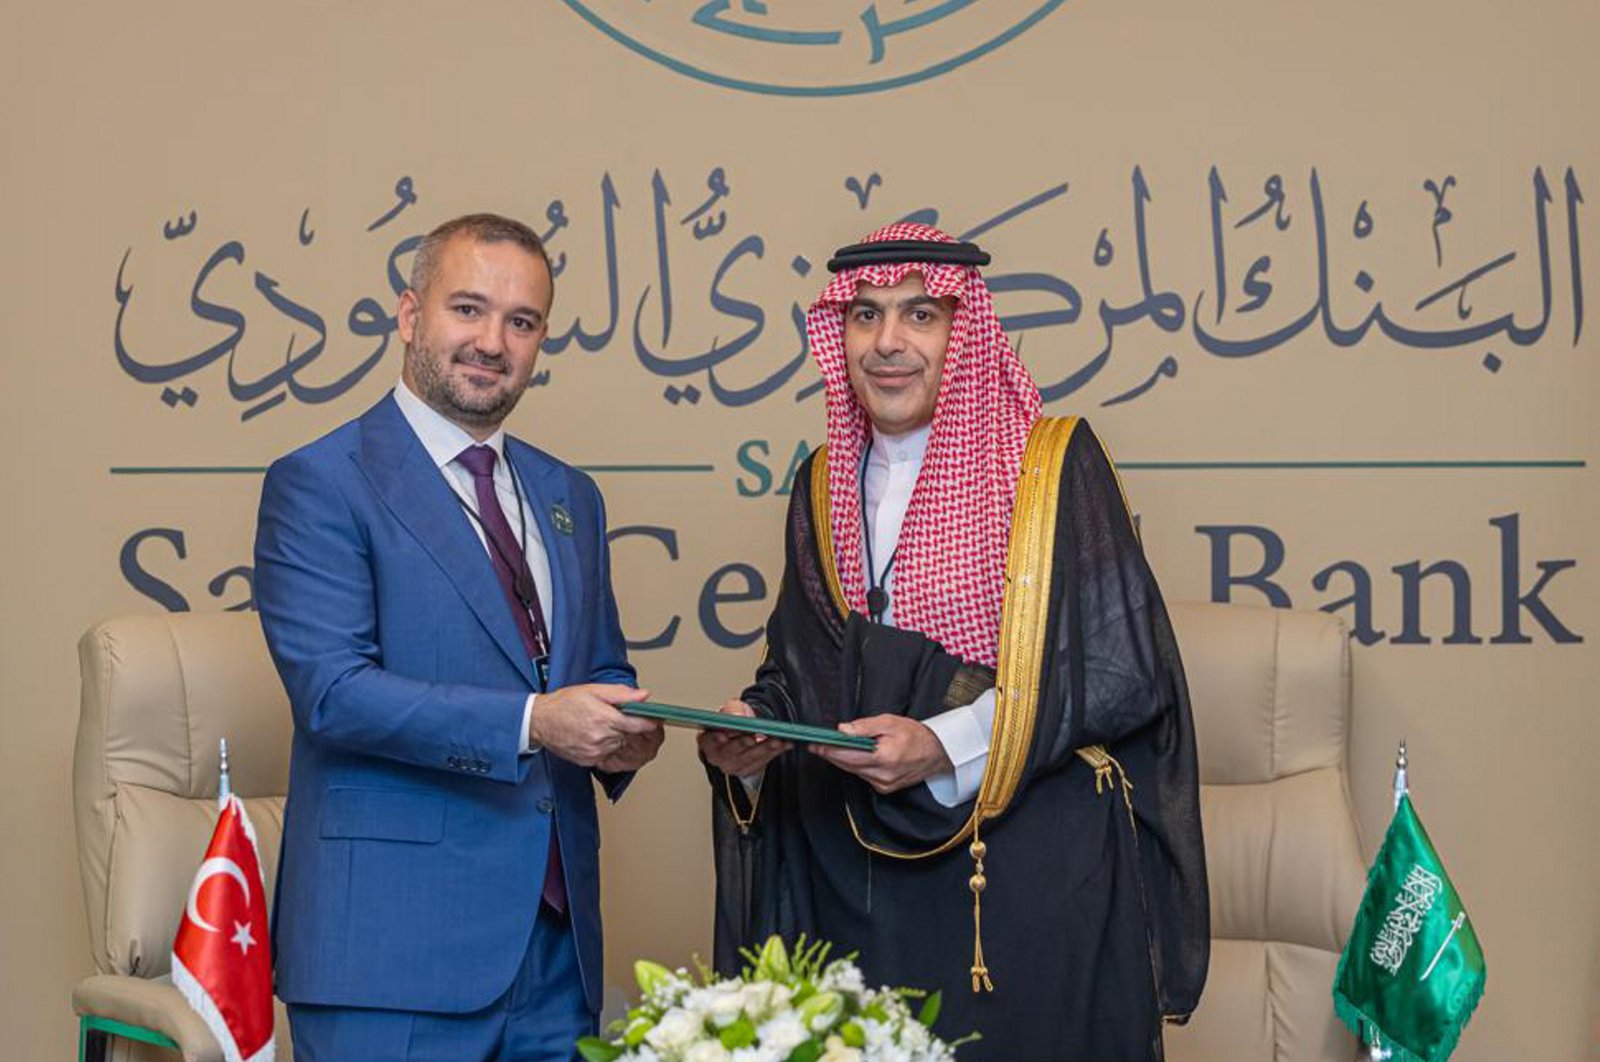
(1412, 970)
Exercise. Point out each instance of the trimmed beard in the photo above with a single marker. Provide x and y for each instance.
(449, 395)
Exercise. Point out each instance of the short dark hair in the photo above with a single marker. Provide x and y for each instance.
(483, 228)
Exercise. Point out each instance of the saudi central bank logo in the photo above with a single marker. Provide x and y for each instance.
(813, 47)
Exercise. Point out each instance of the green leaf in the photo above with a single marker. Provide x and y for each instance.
(930, 1009)
(809, 1051)
(853, 1034)
(651, 976)
(741, 1033)
(594, 1049)
(637, 1030)
(805, 958)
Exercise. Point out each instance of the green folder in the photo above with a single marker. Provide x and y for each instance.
(799, 733)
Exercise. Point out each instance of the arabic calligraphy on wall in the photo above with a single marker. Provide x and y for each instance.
(714, 314)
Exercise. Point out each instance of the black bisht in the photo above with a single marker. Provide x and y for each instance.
(1095, 921)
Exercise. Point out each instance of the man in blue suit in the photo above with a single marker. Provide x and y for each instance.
(437, 597)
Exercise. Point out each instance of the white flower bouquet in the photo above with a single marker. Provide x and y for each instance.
(782, 1008)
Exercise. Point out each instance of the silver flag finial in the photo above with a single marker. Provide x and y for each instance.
(224, 783)
(1400, 788)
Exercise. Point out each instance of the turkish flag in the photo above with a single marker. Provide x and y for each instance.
(221, 959)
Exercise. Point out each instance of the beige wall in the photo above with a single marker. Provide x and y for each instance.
(116, 121)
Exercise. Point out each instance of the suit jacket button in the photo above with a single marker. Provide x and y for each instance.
(546, 805)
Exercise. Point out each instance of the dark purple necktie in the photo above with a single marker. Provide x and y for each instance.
(522, 595)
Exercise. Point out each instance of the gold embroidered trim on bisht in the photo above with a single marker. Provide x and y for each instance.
(822, 527)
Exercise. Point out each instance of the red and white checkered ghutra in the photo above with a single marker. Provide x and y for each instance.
(950, 567)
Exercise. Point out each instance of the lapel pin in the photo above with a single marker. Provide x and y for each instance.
(561, 518)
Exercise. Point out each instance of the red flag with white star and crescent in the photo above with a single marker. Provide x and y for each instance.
(221, 958)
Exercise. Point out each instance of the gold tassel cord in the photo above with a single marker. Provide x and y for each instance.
(1106, 771)
(980, 969)
(743, 822)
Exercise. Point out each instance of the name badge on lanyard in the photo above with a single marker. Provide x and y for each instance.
(541, 671)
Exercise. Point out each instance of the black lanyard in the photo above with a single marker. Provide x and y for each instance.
(877, 589)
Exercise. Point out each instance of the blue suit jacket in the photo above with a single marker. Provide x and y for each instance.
(415, 836)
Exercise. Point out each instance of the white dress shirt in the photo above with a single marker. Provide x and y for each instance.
(444, 440)
(892, 469)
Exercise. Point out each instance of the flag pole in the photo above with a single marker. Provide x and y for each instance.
(1400, 789)
(227, 980)
(1376, 1052)
(224, 784)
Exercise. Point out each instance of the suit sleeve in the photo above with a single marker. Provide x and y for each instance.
(316, 594)
(610, 660)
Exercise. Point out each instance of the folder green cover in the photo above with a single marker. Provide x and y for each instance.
(799, 733)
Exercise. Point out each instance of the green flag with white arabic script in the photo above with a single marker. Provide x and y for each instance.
(1412, 970)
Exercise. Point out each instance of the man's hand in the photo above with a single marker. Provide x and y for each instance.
(637, 750)
(581, 724)
(735, 753)
(907, 753)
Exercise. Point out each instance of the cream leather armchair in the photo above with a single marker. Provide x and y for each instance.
(158, 691)
(1271, 695)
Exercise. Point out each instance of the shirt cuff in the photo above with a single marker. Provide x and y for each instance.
(964, 734)
(527, 745)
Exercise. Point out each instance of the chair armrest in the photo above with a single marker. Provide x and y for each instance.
(150, 1004)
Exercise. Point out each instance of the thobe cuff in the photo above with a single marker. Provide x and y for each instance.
(964, 734)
